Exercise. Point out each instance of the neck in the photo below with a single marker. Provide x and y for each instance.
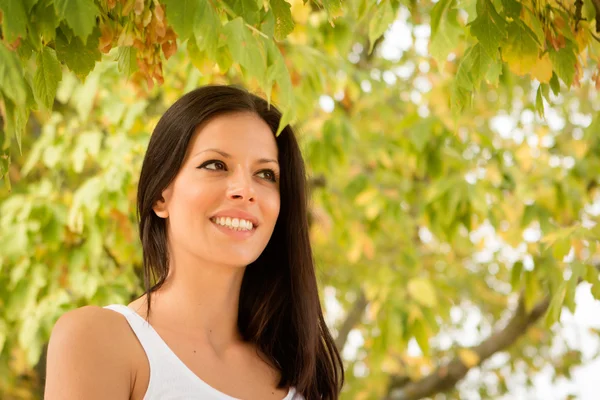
(200, 299)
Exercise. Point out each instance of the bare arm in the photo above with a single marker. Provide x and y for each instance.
(87, 358)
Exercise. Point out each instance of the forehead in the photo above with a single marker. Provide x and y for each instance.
(237, 134)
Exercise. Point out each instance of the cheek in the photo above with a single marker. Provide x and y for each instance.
(273, 206)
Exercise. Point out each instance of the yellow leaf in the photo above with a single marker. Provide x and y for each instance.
(582, 36)
(521, 50)
(365, 197)
(422, 290)
(468, 357)
(542, 70)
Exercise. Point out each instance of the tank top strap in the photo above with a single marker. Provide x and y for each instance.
(150, 340)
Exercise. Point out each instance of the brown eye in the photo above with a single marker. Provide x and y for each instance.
(214, 165)
(269, 175)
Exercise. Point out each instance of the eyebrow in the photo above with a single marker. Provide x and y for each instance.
(227, 155)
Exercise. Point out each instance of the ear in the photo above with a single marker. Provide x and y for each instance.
(161, 206)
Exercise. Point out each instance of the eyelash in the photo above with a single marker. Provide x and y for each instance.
(273, 179)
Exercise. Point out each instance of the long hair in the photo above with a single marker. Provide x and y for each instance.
(279, 307)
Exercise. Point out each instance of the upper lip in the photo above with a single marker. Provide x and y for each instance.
(233, 213)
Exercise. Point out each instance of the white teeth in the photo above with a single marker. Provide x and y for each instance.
(236, 224)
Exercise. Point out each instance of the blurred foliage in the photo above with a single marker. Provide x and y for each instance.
(454, 165)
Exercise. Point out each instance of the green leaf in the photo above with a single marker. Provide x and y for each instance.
(531, 290)
(12, 83)
(421, 336)
(520, 50)
(47, 76)
(512, 8)
(561, 247)
(489, 27)
(16, 120)
(45, 22)
(492, 75)
(473, 68)
(531, 20)
(545, 88)
(126, 60)
(207, 28)
(515, 274)
(29, 4)
(267, 25)
(384, 16)
(179, 13)
(247, 9)
(555, 308)
(284, 24)
(80, 58)
(333, 8)
(245, 49)
(422, 290)
(564, 61)
(14, 26)
(445, 30)
(277, 73)
(539, 102)
(79, 14)
(555, 84)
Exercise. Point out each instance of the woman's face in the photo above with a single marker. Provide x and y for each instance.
(224, 201)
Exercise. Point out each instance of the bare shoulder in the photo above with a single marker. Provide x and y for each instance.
(88, 356)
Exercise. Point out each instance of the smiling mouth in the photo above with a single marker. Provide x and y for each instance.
(234, 224)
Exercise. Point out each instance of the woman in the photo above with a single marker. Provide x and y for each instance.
(231, 307)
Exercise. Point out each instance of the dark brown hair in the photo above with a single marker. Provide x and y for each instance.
(279, 307)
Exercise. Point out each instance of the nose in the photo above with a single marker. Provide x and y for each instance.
(240, 186)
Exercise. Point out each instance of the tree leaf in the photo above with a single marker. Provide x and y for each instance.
(542, 70)
(45, 21)
(247, 9)
(420, 334)
(384, 16)
(80, 58)
(47, 76)
(284, 24)
(520, 50)
(422, 290)
(16, 120)
(126, 60)
(14, 26)
(180, 15)
(515, 274)
(489, 27)
(12, 83)
(539, 102)
(512, 8)
(473, 68)
(333, 8)
(207, 28)
(564, 61)
(445, 30)
(555, 84)
(79, 14)
(245, 49)
(555, 307)
(29, 4)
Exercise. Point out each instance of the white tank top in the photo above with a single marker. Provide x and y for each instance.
(170, 378)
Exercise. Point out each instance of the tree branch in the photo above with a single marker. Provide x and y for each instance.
(596, 4)
(446, 376)
(352, 318)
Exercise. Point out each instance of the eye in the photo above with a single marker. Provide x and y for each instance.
(214, 165)
(269, 174)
